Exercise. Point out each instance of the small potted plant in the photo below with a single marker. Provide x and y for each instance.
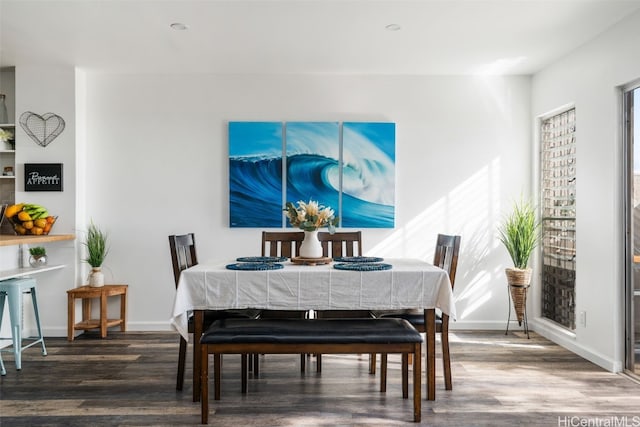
(520, 235)
(38, 256)
(96, 244)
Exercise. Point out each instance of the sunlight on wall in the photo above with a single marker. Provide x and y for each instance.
(472, 210)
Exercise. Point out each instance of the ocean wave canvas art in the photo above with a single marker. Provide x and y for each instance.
(349, 167)
(368, 175)
(312, 162)
(255, 174)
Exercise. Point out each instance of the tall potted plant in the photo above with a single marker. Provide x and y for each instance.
(96, 244)
(520, 235)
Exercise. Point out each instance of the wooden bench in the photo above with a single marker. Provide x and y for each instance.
(311, 336)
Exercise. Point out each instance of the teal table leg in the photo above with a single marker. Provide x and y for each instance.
(3, 371)
(15, 313)
(35, 310)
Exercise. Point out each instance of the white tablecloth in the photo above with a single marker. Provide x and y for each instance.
(409, 284)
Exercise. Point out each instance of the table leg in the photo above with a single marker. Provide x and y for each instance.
(198, 317)
(430, 356)
(71, 316)
(103, 315)
(123, 311)
(86, 309)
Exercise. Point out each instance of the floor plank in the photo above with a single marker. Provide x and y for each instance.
(128, 379)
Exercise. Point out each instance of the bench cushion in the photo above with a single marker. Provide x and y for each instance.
(311, 331)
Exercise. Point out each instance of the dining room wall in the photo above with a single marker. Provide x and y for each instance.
(158, 165)
(590, 79)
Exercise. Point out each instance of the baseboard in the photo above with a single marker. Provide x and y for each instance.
(61, 331)
(568, 340)
(490, 325)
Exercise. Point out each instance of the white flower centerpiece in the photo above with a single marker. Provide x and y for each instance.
(311, 216)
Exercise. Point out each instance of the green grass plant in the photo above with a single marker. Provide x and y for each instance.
(96, 244)
(520, 233)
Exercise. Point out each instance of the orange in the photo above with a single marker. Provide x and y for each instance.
(12, 210)
(24, 216)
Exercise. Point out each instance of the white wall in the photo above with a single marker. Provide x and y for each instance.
(156, 164)
(42, 90)
(590, 78)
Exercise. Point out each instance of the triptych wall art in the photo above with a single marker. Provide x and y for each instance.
(349, 166)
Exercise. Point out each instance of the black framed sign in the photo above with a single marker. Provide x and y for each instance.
(43, 177)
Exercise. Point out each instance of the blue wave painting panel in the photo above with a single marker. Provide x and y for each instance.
(313, 168)
(255, 174)
(368, 175)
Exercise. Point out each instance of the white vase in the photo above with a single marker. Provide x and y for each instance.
(96, 277)
(311, 247)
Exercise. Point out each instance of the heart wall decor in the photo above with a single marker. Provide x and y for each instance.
(42, 129)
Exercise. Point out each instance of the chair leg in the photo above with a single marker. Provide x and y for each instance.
(303, 362)
(405, 375)
(318, 363)
(182, 357)
(204, 385)
(256, 365)
(243, 367)
(383, 372)
(372, 363)
(217, 374)
(446, 358)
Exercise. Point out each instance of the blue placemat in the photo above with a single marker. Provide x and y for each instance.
(356, 266)
(358, 259)
(262, 259)
(255, 266)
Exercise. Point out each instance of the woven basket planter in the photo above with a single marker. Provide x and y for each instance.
(518, 281)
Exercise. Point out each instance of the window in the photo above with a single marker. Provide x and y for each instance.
(558, 204)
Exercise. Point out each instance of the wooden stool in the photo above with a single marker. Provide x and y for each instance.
(87, 293)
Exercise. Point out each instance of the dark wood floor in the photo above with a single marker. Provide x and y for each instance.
(128, 379)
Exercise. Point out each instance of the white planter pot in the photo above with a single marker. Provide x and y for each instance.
(96, 278)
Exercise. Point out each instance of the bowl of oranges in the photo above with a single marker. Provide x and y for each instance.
(30, 219)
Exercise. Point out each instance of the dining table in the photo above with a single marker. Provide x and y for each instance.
(405, 283)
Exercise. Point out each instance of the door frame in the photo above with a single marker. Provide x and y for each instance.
(627, 92)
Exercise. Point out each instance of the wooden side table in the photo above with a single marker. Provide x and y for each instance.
(86, 294)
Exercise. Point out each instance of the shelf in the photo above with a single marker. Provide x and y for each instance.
(7, 177)
(9, 240)
(27, 271)
(7, 125)
(95, 324)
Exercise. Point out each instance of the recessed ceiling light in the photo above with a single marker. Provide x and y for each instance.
(179, 26)
(393, 27)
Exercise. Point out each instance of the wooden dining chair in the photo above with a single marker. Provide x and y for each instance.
(183, 256)
(445, 257)
(281, 244)
(339, 244)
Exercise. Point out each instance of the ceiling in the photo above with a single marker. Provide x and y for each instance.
(442, 37)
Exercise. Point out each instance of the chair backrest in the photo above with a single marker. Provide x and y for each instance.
(282, 243)
(446, 255)
(183, 253)
(342, 243)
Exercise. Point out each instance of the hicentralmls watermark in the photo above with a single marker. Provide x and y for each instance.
(603, 421)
